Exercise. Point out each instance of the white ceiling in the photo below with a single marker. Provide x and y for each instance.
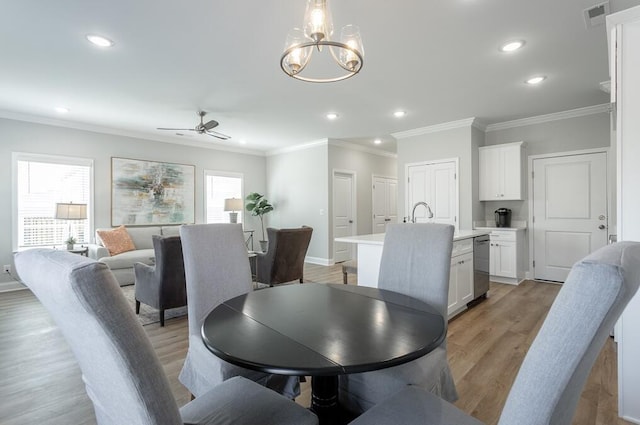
(437, 60)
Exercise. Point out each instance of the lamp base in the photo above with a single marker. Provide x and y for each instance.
(233, 217)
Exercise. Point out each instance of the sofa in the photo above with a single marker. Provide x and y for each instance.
(121, 265)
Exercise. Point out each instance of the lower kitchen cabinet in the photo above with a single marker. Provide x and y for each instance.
(460, 276)
(507, 256)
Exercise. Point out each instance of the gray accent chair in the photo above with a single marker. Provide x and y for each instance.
(548, 386)
(122, 374)
(284, 260)
(216, 269)
(162, 286)
(415, 261)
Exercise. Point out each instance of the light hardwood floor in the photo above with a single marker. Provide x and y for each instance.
(41, 382)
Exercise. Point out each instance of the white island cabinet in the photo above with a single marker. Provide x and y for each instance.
(461, 274)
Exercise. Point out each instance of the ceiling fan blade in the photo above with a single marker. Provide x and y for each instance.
(175, 129)
(210, 124)
(218, 135)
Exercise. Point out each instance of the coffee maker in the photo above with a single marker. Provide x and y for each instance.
(503, 217)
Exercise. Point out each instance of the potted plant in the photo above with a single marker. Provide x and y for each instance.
(258, 205)
(70, 242)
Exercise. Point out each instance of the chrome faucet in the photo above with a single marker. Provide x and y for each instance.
(413, 213)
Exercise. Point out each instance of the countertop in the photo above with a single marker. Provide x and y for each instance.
(490, 229)
(378, 238)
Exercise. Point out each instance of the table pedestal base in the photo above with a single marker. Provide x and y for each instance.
(324, 401)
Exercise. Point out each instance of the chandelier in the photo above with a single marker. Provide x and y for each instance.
(348, 53)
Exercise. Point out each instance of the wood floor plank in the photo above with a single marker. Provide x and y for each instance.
(41, 382)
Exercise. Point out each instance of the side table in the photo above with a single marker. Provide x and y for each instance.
(82, 251)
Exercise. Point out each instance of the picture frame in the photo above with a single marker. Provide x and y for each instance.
(145, 193)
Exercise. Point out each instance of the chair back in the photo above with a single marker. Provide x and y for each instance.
(284, 260)
(170, 270)
(554, 371)
(122, 374)
(416, 260)
(216, 267)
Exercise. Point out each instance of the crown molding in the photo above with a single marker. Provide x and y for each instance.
(573, 113)
(467, 122)
(124, 133)
(300, 147)
(356, 147)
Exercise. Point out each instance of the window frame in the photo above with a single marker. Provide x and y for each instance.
(219, 173)
(53, 159)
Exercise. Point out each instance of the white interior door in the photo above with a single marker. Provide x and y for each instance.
(343, 215)
(385, 208)
(569, 211)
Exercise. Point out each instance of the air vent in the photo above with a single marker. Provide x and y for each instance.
(594, 16)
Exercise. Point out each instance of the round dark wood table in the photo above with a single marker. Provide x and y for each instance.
(322, 331)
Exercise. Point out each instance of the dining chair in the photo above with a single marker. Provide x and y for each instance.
(284, 260)
(162, 285)
(217, 269)
(549, 383)
(415, 261)
(121, 371)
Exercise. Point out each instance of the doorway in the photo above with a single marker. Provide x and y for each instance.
(344, 213)
(569, 211)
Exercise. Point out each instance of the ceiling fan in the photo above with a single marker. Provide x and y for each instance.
(202, 128)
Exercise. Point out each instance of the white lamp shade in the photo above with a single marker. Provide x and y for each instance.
(233, 204)
(69, 211)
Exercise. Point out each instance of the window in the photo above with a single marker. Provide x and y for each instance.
(41, 182)
(218, 187)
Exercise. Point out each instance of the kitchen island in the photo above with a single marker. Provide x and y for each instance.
(461, 281)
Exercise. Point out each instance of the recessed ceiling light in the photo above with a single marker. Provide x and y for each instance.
(511, 46)
(61, 109)
(536, 80)
(332, 116)
(377, 141)
(242, 142)
(399, 114)
(99, 40)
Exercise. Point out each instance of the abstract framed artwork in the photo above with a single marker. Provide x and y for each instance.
(147, 193)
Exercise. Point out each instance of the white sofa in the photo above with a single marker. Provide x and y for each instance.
(122, 264)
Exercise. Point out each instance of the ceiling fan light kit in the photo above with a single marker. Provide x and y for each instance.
(348, 53)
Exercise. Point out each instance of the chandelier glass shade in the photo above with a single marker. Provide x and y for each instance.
(316, 33)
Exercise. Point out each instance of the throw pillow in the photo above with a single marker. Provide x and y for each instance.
(116, 240)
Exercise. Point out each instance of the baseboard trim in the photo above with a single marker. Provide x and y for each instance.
(11, 286)
(319, 261)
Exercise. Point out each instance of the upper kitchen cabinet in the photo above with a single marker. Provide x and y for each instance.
(500, 169)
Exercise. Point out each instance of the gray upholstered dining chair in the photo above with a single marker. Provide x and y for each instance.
(217, 269)
(415, 261)
(284, 260)
(162, 285)
(549, 383)
(121, 371)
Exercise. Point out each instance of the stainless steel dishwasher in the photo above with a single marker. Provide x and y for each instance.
(480, 266)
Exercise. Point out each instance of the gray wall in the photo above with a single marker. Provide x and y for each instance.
(19, 136)
(572, 134)
(365, 165)
(458, 143)
(299, 190)
(300, 187)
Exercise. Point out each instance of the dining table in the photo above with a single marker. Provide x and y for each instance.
(322, 331)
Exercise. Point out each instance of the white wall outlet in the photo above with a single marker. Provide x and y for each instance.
(7, 268)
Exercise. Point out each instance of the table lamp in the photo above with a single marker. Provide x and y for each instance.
(70, 211)
(233, 205)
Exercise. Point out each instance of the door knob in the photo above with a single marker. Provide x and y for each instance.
(601, 227)
(350, 221)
